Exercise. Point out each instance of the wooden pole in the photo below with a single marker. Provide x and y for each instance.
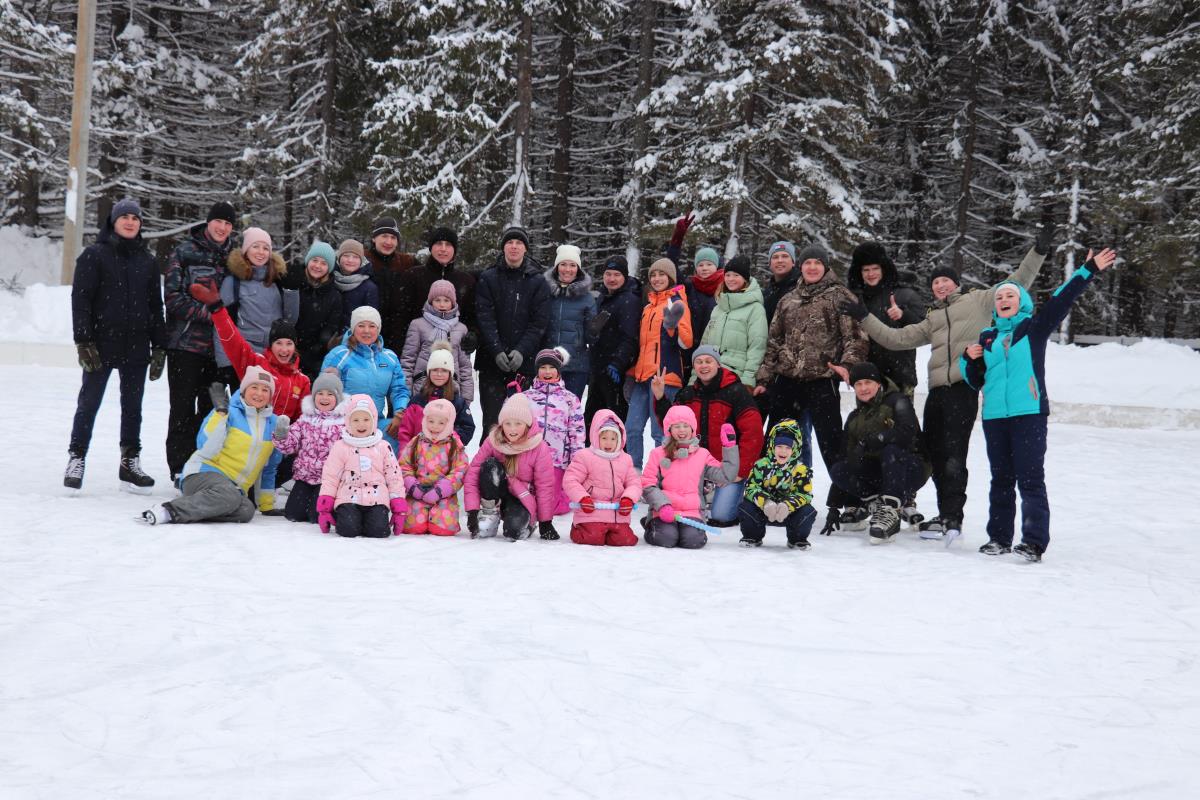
(81, 107)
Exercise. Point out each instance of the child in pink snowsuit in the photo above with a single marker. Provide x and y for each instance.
(674, 478)
(434, 464)
(558, 413)
(361, 480)
(603, 473)
(511, 478)
(311, 437)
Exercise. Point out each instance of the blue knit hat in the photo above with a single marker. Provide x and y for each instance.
(782, 247)
(706, 254)
(323, 250)
(126, 205)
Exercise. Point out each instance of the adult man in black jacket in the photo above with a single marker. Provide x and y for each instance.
(613, 338)
(874, 280)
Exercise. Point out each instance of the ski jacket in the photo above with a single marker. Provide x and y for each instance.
(702, 299)
(311, 438)
(414, 415)
(532, 483)
(777, 290)
(738, 329)
(658, 347)
(571, 310)
(721, 400)
(415, 356)
(617, 317)
(319, 318)
(681, 481)
(116, 300)
(409, 292)
(291, 385)
(898, 365)
(196, 259)
(365, 475)
(374, 371)
(887, 419)
(513, 308)
(559, 415)
(363, 293)
(604, 477)
(789, 483)
(809, 331)
(1012, 370)
(951, 324)
(255, 299)
(238, 445)
(427, 462)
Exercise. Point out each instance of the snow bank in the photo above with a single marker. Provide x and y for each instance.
(41, 315)
(29, 259)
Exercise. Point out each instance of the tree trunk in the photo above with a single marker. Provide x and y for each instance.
(521, 125)
(328, 121)
(561, 168)
(735, 209)
(971, 122)
(641, 132)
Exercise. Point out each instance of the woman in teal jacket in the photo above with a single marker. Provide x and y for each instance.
(367, 367)
(1009, 364)
(738, 326)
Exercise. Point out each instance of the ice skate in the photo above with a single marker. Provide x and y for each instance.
(133, 480)
(885, 521)
(73, 476)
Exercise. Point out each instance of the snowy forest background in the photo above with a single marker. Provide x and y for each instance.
(949, 130)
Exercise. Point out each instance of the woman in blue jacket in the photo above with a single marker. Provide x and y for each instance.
(1009, 364)
(572, 307)
(367, 367)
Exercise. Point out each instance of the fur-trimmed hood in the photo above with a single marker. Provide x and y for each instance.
(579, 287)
(241, 269)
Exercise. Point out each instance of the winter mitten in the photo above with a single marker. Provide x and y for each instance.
(443, 488)
(727, 436)
(516, 359)
(587, 505)
(832, 522)
(158, 362)
(681, 228)
(667, 513)
(413, 488)
(399, 509)
(768, 509)
(672, 314)
(473, 522)
(503, 363)
(469, 343)
(853, 308)
(596, 324)
(207, 293)
(282, 426)
(219, 397)
(625, 507)
(89, 356)
(546, 529)
(1045, 238)
(614, 374)
(325, 512)
(782, 512)
(429, 495)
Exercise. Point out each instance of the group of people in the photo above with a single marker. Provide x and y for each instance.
(372, 442)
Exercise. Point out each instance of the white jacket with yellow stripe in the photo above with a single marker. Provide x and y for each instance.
(238, 445)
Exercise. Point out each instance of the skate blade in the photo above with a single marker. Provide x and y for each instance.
(931, 535)
(853, 527)
(875, 540)
(135, 489)
(951, 535)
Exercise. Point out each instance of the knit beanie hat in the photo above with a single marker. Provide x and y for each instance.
(282, 329)
(252, 235)
(664, 265)
(677, 414)
(617, 264)
(556, 357)
(441, 356)
(865, 370)
(365, 314)
(363, 402)
(946, 272)
(442, 288)
(443, 407)
(706, 350)
(514, 232)
(253, 375)
(814, 251)
(329, 382)
(126, 205)
(516, 408)
(350, 246)
(222, 210)
(385, 225)
(706, 254)
(442, 234)
(739, 265)
(782, 247)
(320, 249)
(567, 252)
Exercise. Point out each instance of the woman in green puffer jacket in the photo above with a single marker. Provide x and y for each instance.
(738, 327)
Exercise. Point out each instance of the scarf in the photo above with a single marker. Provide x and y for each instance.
(533, 437)
(605, 454)
(442, 321)
(346, 282)
(372, 438)
(708, 285)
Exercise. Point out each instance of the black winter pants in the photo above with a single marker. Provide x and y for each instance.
(492, 388)
(949, 419)
(603, 393)
(896, 472)
(91, 393)
(818, 399)
(302, 502)
(798, 524)
(370, 521)
(188, 377)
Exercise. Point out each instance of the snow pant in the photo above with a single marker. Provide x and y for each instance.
(302, 502)
(493, 486)
(675, 534)
(798, 524)
(895, 471)
(492, 388)
(370, 521)
(91, 393)
(949, 418)
(575, 382)
(188, 377)
(1016, 449)
(603, 393)
(613, 534)
(725, 502)
(210, 497)
(822, 403)
(562, 503)
(641, 409)
(771, 410)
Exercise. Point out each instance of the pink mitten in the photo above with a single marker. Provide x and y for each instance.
(399, 509)
(667, 513)
(325, 512)
(727, 437)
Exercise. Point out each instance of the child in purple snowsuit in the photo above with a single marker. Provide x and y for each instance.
(558, 413)
(310, 438)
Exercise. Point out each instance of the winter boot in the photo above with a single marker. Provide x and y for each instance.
(132, 478)
(1029, 552)
(800, 545)
(489, 518)
(994, 548)
(746, 541)
(885, 521)
(932, 528)
(73, 477)
(159, 515)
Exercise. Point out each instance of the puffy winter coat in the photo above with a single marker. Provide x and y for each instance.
(533, 483)
(789, 483)
(680, 481)
(1012, 370)
(513, 308)
(571, 310)
(887, 418)
(414, 415)
(559, 415)
(196, 259)
(364, 473)
(373, 371)
(426, 462)
(238, 445)
(116, 301)
(415, 356)
(408, 292)
(604, 477)
(738, 328)
(809, 331)
(253, 302)
(617, 319)
(312, 437)
(319, 319)
(291, 385)
(777, 290)
(951, 324)
(356, 293)
(702, 299)
(898, 365)
(721, 400)
(658, 347)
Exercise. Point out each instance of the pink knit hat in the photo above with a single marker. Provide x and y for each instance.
(363, 402)
(252, 235)
(254, 375)
(677, 414)
(517, 408)
(442, 288)
(443, 407)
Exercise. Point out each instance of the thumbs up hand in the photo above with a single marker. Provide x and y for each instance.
(894, 311)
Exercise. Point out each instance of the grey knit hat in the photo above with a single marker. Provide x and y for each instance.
(329, 382)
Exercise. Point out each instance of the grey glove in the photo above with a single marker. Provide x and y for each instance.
(673, 314)
(516, 359)
(503, 363)
(220, 400)
(282, 426)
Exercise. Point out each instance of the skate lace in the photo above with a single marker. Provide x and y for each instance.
(75, 467)
(133, 464)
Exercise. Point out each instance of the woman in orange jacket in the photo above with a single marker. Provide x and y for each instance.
(665, 332)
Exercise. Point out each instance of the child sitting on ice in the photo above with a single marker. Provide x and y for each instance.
(361, 479)
(511, 478)
(434, 464)
(310, 439)
(438, 322)
(441, 382)
(558, 414)
(673, 480)
(603, 473)
(779, 491)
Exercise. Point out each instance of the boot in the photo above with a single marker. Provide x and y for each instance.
(994, 548)
(131, 475)
(749, 542)
(73, 477)
(489, 518)
(1028, 552)
(885, 521)
(159, 515)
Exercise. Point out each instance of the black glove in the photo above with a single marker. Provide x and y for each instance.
(89, 356)
(833, 522)
(473, 522)
(546, 529)
(220, 400)
(158, 362)
(597, 323)
(469, 342)
(877, 441)
(853, 308)
(1045, 238)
